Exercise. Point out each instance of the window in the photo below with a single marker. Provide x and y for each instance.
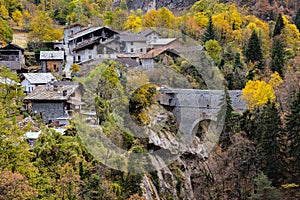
(55, 67)
(131, 50)
(131, 43)
(79, 59)
(141, 50)
(90, 57)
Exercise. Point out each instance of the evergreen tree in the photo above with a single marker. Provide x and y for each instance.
(210, 32)
(227, 131)
(297, 19)
(253, 52)
(293, 130)
(268, 132)
(277, 55)
(263, 189)
(278, 26)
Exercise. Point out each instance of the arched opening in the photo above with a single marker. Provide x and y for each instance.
(205, 129)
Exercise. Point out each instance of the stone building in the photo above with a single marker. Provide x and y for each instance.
(31, 80)
(52, 61)
(11, 56)
(53, 101)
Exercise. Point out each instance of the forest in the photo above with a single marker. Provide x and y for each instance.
(258, 153)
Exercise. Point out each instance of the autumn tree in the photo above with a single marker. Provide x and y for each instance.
(15, 186)
(213, 49)
(278, 26)
(149, 18)
(210, 32)
(253, 51)
(257, 93)
(133, 22)
(278, 56)
(6, 33)
(42, 28)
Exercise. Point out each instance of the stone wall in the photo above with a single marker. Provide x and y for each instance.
(49, 111)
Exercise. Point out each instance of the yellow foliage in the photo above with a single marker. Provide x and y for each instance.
(275, 80)
(201, 19)
(149, 18)
(257, 93)
(133, 22)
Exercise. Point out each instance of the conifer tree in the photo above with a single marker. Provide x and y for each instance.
(297, 19)
(210, 32)
(268, 132)
(227, 131)
(293, 130)
(277, 55)
(253, 52)
(263, 189)
(278, 26)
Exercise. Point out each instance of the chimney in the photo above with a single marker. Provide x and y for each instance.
(0, 45)
(89, 25)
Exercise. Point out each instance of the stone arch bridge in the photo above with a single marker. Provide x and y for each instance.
(191, 106)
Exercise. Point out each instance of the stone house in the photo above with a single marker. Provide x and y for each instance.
(151, 35)
(52, 101)
(31, 80)
(91, 50)
(52, 61)
(12, 57)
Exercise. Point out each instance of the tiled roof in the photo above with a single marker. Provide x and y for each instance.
(50, 92)
(38, 78)
(162, 41)
(52, 55)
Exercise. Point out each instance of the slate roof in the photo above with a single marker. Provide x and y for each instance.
(153, 53)
(132, 38)
(87, 43)
(87, 31)
(145, 33)
(52, 55)
(39, 78)
(49, 92)
(162, 41)
(12, 47)
(8, 81)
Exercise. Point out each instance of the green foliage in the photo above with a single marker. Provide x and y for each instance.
(6, 33)
(42, 29)
(278, 56)
(297, 19)
(278, 26)
(268, 136)
(213, 49)
(142, 98)
(225, 115)
(293, 129)
(263, 189)
(210, 32)
(254, 52)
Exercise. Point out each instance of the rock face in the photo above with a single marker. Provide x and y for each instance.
(172, 180)
(145, 5)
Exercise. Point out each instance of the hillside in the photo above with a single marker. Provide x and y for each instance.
(165, 100)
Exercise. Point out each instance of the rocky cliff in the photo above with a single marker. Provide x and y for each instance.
(173, 5)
